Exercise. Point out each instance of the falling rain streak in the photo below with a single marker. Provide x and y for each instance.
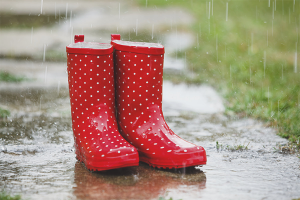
(44, 55)
(295, 60)
(67, 10)
(119, 10)
(152, 30)
(208, 10)
(41, 6)
(226, 11)
(265, 60)
(31, 37)
(251, 42)
(136, 27)
(212, 7)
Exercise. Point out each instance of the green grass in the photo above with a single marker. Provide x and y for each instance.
(249, 58)
(7, 77)
(25, 21)
(4, 113)
(4, 196)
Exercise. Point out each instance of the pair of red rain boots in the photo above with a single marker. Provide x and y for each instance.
(134, 72)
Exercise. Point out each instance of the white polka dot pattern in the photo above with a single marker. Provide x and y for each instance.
(139, 79)
(92, 97)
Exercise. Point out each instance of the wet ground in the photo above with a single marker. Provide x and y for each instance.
(38, 159)
(246, 159)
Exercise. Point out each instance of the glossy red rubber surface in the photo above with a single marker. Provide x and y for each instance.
(139, 79)
(98, 142)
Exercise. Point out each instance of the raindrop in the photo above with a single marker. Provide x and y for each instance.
(256, 13)
(44, 55)
(282, 71)
(136, 27)
(200, 30)
(71, 35)
(269, 94)
(212, 7)
(71, 19)
(265, 60)
(197, 42)
(58, 17)
(272, 27)
(273, 9)
(40, 103)
(55, 10)
(152, 30)
(67, 10)
(295, 60)
(230, 72)
(269, 3)
(146, 3)
(119, 10)
(41, 6)
(251, 42)
(46, 74)
(31, 35)
(185, 60)
(208, 10)
(250, 76)
(226, 11)
(217, 47)
(58, 87)
(267, 38)
(278, 111)
(275, 5)
(289, 15)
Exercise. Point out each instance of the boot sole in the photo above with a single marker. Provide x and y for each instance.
(114, 163)
(173, 165)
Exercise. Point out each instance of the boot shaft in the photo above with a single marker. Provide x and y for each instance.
(139, 75)
(139, 80)
(90, 75)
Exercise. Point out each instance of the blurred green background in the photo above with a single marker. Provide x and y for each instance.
(248, 50)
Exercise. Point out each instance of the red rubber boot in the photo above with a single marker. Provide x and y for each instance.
(98, 143)
(139, 79)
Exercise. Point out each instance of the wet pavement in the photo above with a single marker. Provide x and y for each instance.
(38, 159)
(246, 159)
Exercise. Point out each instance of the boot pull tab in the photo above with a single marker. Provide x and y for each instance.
(115, 37)
(78, 38)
